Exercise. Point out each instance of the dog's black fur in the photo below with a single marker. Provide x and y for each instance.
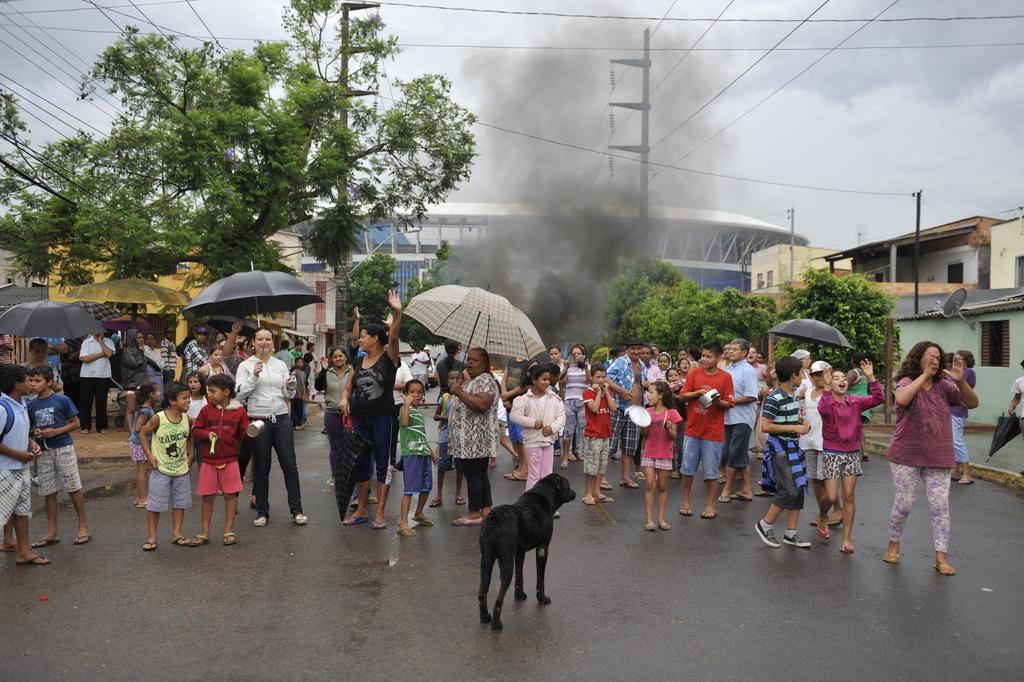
(512, 530)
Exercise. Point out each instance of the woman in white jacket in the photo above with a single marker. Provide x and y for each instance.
(266, 386)
(541, 414)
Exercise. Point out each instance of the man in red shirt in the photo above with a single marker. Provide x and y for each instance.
(705, 426)
(597, 435)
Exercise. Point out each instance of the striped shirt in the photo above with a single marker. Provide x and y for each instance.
(782, 408)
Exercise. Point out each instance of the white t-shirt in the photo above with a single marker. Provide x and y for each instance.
(421, 363)
(813, 439)
(194, 406)
(99, 368)
(1018, 389)
(402, 375)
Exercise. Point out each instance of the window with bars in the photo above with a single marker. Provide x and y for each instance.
(321, 308)
(995, 343)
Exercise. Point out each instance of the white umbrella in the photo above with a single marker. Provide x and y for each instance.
(475, 317)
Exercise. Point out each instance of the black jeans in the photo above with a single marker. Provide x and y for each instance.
(93, 391)
(335, 428)
(478, 482)
(297, 417)
(279, 436)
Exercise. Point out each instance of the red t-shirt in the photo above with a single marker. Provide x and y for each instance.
(657, 445)
(707, 423)
(598, 425)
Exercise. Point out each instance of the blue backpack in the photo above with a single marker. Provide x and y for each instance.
(8, 420)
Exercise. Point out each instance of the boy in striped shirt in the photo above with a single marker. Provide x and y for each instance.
(781, 420)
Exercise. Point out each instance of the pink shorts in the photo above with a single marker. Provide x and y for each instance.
(213, 480)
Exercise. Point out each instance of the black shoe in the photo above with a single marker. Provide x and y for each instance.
(767, 535)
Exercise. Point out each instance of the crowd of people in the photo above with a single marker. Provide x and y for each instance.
(708, 412)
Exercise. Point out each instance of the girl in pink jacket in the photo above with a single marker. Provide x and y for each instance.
(541, 414)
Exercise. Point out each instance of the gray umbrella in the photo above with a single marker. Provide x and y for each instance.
(98, 311)
(252, 293)
(811, 331)
(48, 318)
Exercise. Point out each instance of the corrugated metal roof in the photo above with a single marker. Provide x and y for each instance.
(12, 295)
(997, 305)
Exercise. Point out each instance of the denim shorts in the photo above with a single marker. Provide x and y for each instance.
(446, 463)
(705, 454)
(416, 475)
(515, 432)
(959, 446)
(168, 492)
(736, 448)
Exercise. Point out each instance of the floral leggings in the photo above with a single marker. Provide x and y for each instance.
(936, 488)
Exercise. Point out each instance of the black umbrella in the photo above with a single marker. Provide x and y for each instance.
(222, 323)
(353, 447)
(252, 293)
(812, 331)
(1007, 428)
(48, 318)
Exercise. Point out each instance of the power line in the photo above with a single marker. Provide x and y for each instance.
(748, 20)
(737, 78)
(144, 16)
(201, 21)
(723, 176)
(34, 181)
(551, 48)
(784, 85)
(51, 103)
(66, 10)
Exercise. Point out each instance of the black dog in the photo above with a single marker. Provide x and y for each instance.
(512, 530)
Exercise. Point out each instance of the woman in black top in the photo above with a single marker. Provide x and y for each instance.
(368, 398)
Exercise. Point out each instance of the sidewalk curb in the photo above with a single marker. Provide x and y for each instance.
(1001, 476)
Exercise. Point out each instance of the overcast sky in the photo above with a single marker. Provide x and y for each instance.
(947, 121)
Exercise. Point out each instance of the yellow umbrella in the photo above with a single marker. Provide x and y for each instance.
(134, 291)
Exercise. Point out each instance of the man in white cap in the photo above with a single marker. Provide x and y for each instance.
(804, 356)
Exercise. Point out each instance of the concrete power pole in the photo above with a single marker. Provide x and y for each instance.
(643, 149)
(792, 245)
(342, 294)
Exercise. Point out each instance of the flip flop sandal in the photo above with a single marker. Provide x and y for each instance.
(628, 484)
(761, 493)
(846, 549)
(709, 515)
(355, 520)
(45, 542)
(229, 539)
(43, 561)
(149, 547)
(83, 539)
(825, 533)
(406, 532)
(664, 526)
(891, 558)
(589, 501)
(941, 569)
(651, 527)
(182, 542)
(512, 477)
(435, 503)
(722, 499)
(563, 465)
(423, 521)
(379, 525)
(606, 486)
(461, 522)
(140, 505)
(963, 482)
(8, 548)
(685, 512)
(604, 498)
(200, 540)
(741, 498)
(462, 500)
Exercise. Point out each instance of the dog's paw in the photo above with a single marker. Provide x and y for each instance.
(496, 625)
(543, 599)
(485, 617)
(520, 596)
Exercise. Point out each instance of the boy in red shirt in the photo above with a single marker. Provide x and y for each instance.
(219, 430)
(705, 426)
(597, 436)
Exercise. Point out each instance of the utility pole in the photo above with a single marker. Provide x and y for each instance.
(917, 250)
(792, 245)
(342, 294)
(643, 149)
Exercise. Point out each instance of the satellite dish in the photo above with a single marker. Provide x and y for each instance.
(951, 306)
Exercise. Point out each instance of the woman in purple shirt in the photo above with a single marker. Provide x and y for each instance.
(962, 470)
(922, 446)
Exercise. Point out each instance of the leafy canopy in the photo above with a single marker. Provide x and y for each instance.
(216, 151)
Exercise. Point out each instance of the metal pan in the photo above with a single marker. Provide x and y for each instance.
(639, 416)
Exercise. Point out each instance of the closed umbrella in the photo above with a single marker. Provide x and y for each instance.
(48, 318)
(252, 293)
(475, 317)
(1007, 428)
(812, 331)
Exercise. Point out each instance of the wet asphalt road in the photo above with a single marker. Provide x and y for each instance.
(704, 600)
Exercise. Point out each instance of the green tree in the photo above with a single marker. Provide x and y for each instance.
(851, 304)
(217, 151)
(370, 281)
(639, 281)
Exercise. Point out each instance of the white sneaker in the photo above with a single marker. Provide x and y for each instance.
(300, 519)
(260, 521)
